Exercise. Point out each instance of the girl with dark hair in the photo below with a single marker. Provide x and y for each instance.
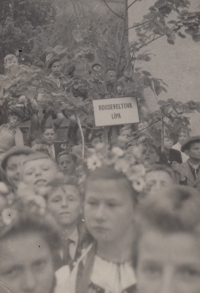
(109, 208)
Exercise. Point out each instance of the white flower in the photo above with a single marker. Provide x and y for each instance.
(139, 184)
(3, 188)
(8, 216)
(121, 165)
(117, 151)
(137, 152)
(93, 162)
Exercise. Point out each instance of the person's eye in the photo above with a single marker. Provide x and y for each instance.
(152, 271)
(92, 203)
(40, 264)
(45, 168)
(12, 168)
(12, 273)
(112, 205)
(71, 199)
(29, 172)
(189, 273)
(56, 199)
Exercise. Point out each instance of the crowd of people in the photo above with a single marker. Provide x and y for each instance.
(124, 219)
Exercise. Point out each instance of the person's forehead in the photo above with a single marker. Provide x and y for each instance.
(195, 144)
(56, 63)
(15, 245)
(66, 189)
(49, 130)
(95, 187)
(65, 157)
(178, 247)
(39, 162)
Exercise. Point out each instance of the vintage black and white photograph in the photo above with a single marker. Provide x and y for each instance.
(99, 146)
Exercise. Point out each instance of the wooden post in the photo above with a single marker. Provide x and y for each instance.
(162, 135)
(82, 135)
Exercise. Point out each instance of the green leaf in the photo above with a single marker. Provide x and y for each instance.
(196, 38)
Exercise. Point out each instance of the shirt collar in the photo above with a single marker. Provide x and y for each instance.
(74, 236)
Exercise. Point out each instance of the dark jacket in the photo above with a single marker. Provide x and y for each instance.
(174, 156)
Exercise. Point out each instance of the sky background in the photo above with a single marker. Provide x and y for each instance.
(178, 65)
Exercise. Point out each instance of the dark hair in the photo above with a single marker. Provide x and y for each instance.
(174, 210)
(161, 168)
(177, 210)
(48, 126)
(52, 61)
(66, 153)
(27, 224)
(108, 174)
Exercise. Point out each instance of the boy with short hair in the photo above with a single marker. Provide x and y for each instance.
(10, 134)
(49, 137)
(189, 171)
(65, 204)
(38, 169)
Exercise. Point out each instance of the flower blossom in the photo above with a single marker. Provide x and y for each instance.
(117, 151)
(93, 162)
(8, 216)
(139, 184)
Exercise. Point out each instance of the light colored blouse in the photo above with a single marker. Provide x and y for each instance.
(106, 276)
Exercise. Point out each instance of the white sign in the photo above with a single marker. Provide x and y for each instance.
(116, 111)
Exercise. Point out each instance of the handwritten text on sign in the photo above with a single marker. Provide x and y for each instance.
(115, 111)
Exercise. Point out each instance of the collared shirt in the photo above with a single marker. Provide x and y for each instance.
(74, 238)
(51, 150)
(194, 169)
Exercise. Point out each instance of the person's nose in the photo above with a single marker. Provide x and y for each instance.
(100, 212)
(29, 282)
(38, 172)
(64, 202)
(167, 283)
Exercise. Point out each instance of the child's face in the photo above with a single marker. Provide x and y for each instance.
(108, 210)
(168, 263)
(22, 271)
(66, 164)
(49, 136)
(13, 169)
(65, 205)
(110, 76)
(11, 62)
(168, 143)
(39, 172)
(14, 120)
(194, 151)
(56, 68)
(157, 180)
(182, 137)
(151, 155)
